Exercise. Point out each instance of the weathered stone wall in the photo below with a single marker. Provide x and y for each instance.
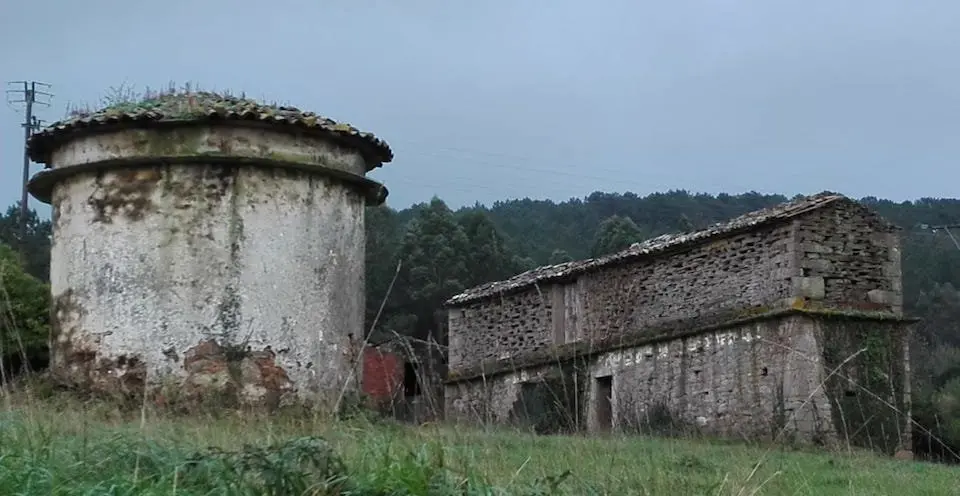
(870, 391)
(739, 382)
(738, 272)
(742, 271)
(667, 335)
(499, 328)
(838, 257)
(849, 259)
(768, 379)
(497, 398)
(236, 279)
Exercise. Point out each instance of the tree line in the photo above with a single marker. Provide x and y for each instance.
(419, 256)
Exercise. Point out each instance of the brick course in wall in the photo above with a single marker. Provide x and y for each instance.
(382, 375)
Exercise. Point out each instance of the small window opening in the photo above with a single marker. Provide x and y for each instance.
(849, 393)
(763, 372)
(411, 383)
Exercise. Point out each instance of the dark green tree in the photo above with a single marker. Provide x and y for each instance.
(383, 235)
(615, 233)
(24, 311)
(433, 255)
(487, 257)
(947, 403)
(37, 253)
(524, 264)
(559, 256)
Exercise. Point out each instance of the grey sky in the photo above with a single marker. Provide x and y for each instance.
(484, 101)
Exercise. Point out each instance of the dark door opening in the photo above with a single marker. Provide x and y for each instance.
(411, 384)
(604, 403)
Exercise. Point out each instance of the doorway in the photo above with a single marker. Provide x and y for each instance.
(604, 403)
(411, 381)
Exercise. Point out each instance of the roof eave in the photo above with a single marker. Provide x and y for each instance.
(40, 146)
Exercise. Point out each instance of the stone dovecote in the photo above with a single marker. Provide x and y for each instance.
(210, 244)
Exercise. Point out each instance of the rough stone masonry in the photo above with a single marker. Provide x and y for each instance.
(785, 323)
(208, 247)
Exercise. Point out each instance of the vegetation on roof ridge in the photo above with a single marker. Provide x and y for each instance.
(190, 102)
(173, 102)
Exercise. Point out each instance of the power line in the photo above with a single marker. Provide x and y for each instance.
(471, 185)
(544, 176)
(28, 94)
(516, 163)
(946, 228)
(511, 158)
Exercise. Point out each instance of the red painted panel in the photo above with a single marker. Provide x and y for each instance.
(382, 373)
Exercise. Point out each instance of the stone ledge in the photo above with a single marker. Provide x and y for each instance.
(42, 183)
(666, 332)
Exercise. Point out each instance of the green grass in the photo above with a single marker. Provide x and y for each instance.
(60, 446)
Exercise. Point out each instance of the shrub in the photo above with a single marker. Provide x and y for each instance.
(24, 311)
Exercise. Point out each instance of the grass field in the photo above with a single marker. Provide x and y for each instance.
(61, 446)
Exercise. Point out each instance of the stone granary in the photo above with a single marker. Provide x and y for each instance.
(785, 324)
(208, 243)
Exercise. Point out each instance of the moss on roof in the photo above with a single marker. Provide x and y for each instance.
(202, 106)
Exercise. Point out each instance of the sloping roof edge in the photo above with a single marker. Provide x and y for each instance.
(197, 107)
(655, 246)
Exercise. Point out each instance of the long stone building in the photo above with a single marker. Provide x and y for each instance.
(784, 324)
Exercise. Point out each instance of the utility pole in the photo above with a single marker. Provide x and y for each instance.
(28, 94)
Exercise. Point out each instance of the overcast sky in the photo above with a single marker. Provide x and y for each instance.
(485, 101)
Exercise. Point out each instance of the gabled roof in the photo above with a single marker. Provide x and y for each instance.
(654, 246)
(201, 106)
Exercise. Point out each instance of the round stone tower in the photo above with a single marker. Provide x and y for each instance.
(207, 246)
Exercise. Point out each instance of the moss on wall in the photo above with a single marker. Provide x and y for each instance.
(554, 402)
(866, 388)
